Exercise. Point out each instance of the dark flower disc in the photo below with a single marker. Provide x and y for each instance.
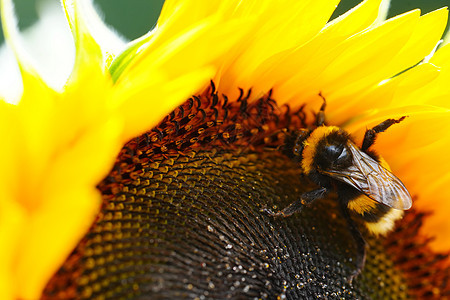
(182, 217)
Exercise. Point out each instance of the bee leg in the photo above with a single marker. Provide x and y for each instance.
(359, 240)
(305, 199)
(320, 117)
(371, 134)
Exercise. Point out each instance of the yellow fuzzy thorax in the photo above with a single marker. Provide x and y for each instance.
(310, 144)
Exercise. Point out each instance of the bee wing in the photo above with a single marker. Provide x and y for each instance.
(372, 179)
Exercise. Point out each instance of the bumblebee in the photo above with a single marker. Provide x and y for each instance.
(362, 181)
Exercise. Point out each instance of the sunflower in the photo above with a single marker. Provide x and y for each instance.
(154, 163)
(49, 129)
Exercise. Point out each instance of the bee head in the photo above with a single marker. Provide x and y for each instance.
(332, 154)
(326, 148)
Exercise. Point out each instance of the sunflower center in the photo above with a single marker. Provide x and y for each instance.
(182, 217)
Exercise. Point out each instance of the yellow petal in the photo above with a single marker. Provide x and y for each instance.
(49, 173)
(345, 64)
(173, 62)
(88, 52)
(442, 57)
(279, 27)
(367, 51)
(359, 66)
(425, 35)
(50, 167)
(293, 69)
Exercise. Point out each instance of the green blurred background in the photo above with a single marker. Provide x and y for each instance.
(133, 18)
